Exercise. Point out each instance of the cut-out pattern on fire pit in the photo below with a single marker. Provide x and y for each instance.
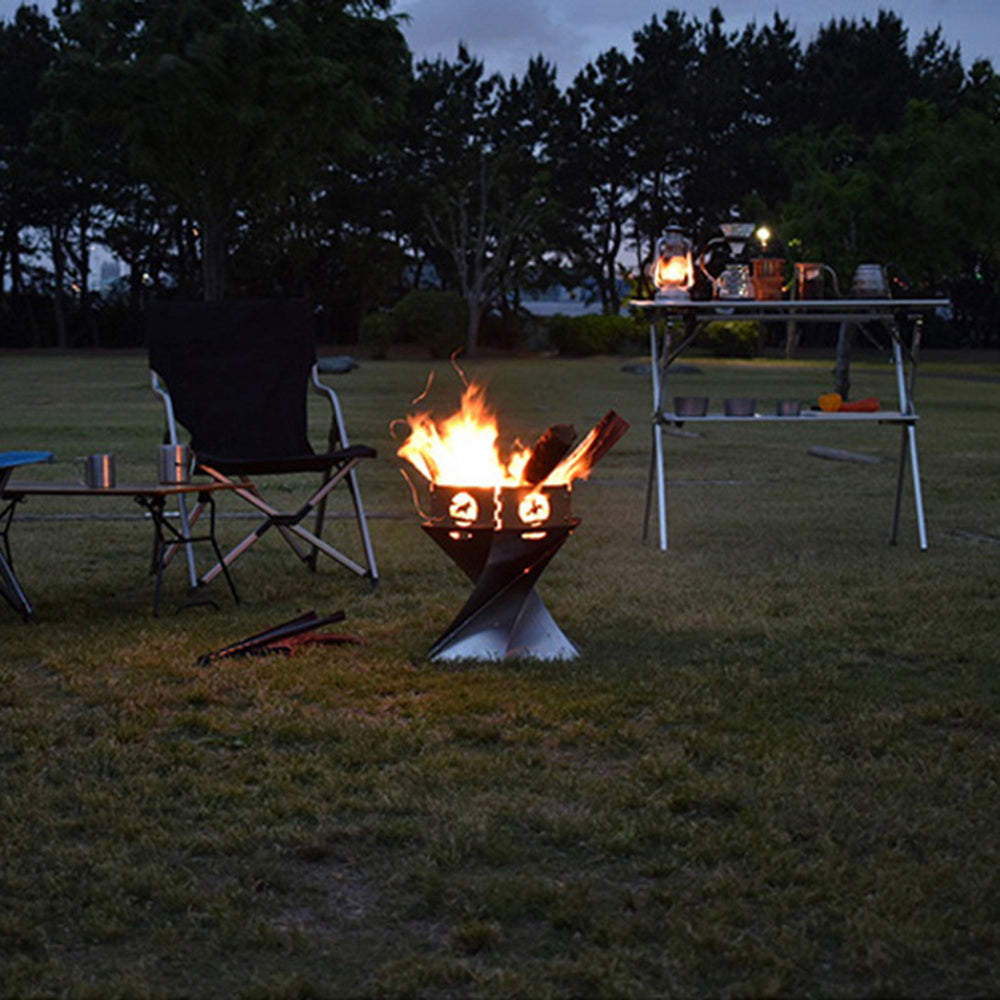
(501, 523)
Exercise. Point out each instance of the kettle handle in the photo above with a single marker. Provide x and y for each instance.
(705, 250)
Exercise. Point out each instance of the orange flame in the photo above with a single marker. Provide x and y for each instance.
(463, 449)
(674, 272)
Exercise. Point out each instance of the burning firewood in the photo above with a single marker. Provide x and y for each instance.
(461, 450)
(590, 450)
(548, 452)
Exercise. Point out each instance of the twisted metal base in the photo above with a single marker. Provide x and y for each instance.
(504, 616)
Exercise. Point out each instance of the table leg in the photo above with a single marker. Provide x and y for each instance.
(918, 497)
(656, 454)
(900, 474)
(162, 547)
(12, 591)
(904, 389)
(10, 587)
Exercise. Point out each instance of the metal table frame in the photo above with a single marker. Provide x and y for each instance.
(891, 316)
(167, 536)
(10, 587)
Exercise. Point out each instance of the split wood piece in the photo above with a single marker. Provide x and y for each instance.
(286, 630)
(598, 442)
(975, 536)
(294, 643)
(549, 451)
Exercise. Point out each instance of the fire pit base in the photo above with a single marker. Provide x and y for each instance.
(504, 616)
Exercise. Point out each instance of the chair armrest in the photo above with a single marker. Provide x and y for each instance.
(160, 388)
(338, 431)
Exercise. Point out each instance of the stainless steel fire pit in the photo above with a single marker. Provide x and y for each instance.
(502, 538)
(504, 527)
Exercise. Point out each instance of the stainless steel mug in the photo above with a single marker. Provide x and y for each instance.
(97, 471)
(173, 464)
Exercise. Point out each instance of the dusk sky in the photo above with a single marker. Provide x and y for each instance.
(507, 33)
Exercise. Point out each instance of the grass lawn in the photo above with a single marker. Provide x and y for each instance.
(773, 771)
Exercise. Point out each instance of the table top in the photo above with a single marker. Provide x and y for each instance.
(147, 489)
(814, 309)
(13, 459)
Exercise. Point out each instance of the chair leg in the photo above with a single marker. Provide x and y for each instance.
(359, 513)
(290, 524)
(362, 521)
(311, 559)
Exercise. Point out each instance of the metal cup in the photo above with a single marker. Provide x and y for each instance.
(173, 464)
(870, 282)
(97, 471)
(808, 280)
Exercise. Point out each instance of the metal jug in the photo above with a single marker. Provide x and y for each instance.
(734, 282)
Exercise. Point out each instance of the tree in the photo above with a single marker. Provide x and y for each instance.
(858, 74)
(528, 119)
(710, 104)
(228, 106)
(27, 50)
(772, 66)
(472, 159)
(666, 54)
(596, 173)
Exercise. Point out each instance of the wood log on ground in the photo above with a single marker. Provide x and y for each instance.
(838, 455)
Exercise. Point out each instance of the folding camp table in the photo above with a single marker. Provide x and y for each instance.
(886, 319)
(151, 496)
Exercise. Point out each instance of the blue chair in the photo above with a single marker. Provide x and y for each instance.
(10, 587)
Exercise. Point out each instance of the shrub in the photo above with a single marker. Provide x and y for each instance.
(505, 331)
(377, 333)
(591, 334)
(438, 320)
(731, 338)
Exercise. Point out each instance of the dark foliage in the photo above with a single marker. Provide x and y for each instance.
(292, 149)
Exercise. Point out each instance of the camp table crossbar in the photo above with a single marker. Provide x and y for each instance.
(167, 536)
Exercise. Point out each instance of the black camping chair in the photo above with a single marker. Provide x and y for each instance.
(236, 375)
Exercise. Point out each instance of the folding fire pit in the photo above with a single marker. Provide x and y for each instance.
(502, 538)
(503, 535)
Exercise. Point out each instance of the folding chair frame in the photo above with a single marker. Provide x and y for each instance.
(288, 523)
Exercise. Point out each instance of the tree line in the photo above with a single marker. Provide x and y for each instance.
(293, 147)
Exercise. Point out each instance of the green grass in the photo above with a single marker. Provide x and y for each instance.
(773, 771)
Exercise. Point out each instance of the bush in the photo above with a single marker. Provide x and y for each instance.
(377, 333)
(438, 320)
(731, 338)
(505, 331)
(592, 334)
